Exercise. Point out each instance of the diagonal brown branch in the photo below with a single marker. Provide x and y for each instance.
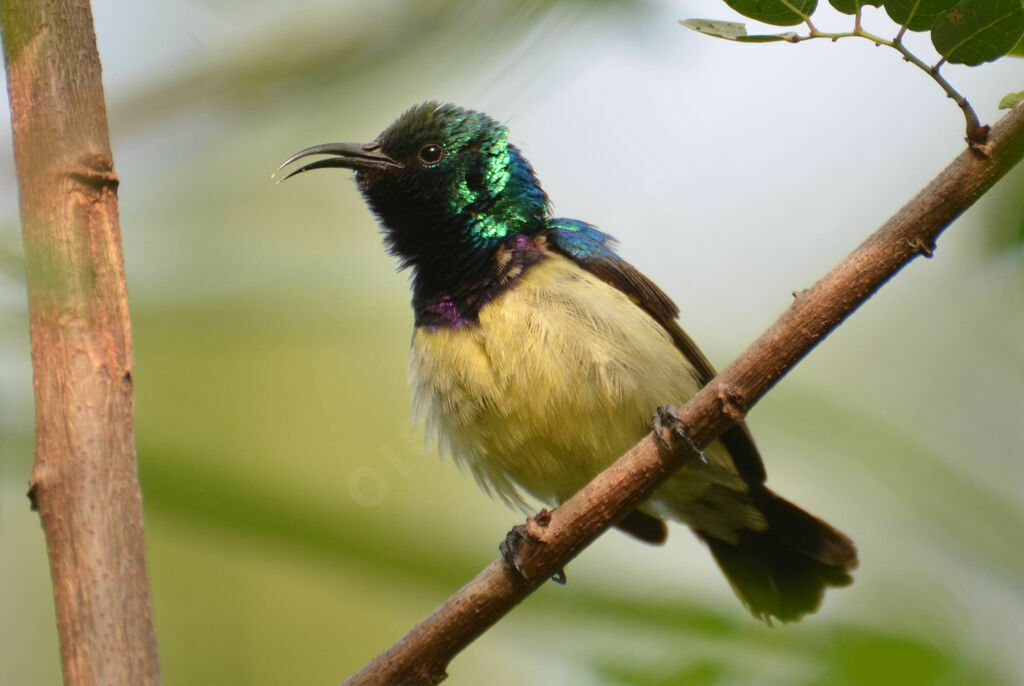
(422, 655)
(84, 480)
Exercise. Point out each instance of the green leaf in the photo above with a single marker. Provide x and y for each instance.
(852, 6)
(1011, 100)
(730, 30)
(789, 36)
(977, 31)
(918, 15)
(777, 12)
(734, 31)
(1018, 49)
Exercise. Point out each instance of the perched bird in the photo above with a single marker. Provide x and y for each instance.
(539, 355)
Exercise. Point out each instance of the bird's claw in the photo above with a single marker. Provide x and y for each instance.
(665, 418)
(510, 547)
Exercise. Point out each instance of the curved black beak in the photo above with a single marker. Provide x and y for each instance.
(344, 155)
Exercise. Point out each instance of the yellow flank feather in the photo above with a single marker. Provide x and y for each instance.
(561, 376)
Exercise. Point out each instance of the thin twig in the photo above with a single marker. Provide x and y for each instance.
(976, 133)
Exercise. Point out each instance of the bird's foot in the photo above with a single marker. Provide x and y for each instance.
(514, 541)
(509, 548)
(666, 419)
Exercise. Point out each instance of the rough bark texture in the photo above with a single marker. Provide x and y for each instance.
(84, 479)
(422, 655)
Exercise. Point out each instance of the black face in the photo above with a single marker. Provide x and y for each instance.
(445, 184)
(435, 159)
(452, 162)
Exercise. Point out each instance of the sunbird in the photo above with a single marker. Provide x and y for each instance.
(539, 356)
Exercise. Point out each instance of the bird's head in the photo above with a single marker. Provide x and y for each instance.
(444, 182)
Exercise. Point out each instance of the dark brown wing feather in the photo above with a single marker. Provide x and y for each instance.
(781, 570)
(615, 271)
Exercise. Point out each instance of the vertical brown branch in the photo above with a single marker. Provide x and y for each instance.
(84, 480)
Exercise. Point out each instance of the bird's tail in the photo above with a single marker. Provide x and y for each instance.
(783, 569)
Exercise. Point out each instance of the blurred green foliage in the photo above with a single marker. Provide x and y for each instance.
(296, 522)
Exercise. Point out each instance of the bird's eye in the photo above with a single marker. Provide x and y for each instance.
(431, 153)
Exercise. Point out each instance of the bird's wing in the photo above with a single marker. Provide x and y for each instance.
(593, 250)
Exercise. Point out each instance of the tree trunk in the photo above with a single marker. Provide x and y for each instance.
(84, 479)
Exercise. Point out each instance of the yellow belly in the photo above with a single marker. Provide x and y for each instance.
(558, 379)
